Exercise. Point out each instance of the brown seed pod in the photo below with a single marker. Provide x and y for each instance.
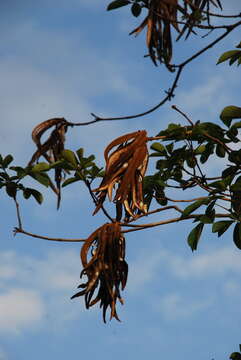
(52, 148)
(125, 169)
(106, 270)
(165, 14)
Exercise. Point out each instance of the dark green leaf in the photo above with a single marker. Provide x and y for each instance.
(234, 58)
(194, 236)
(42, 178)
(6, 161)
(221, 226)
(220, 185)
(80, 153)
(237, 235)
(117, 4)
(136, 9)
(229, 113)
(235, 356)
(5, 176)
(230, 171)
(26, 193)
(169, 148)
(205, 219)
(227, 55)
(37, 195)
(220, 151)
(21, 172)
(70, 157)
(70, 181)
(11, 189)
(190, 208)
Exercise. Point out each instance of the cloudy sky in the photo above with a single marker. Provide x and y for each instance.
(69, 59)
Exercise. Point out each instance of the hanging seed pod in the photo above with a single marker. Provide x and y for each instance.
(125, 169)
(106, 269)
(52, 148)
(163, 15)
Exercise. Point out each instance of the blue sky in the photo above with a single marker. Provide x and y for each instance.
(69, 59)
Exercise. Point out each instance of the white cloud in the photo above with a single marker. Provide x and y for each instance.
(174, 306)
(35, 289)
(224, 261)
(19, 309)
(215, 263)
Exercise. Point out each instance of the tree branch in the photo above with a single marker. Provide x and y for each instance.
(22, 231)
(170, 92)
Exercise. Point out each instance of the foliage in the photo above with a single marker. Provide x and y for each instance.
(182, 155)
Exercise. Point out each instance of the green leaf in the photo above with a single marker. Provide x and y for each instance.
(200, 149)
(21, 172)
(70, 157)
(205, 219)
(220, 151)
(234, 58)
(11, 189)
(169, 148)
(221, 226)
(7, 160)
(235, 356)
(229, 113)
(237, 235)
(42, 178)
(42, 166)
(37, 195)
(136, 9)
(70, 181)
(26, 193)
(117, 4)
(227, 55)
(80, 153)
(194, 236)
(220, 185)
(5, 176)
(158, 147)
(190, 208)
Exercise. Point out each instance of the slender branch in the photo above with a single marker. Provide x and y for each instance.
(22, 231)
(156, 138)
(170, 92)
(95, 201)
(18, 213)
(154, 212)
(196, 199)
(174, 107)
(169, 221)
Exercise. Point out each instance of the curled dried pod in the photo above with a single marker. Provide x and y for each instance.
(105, 268)
(126, 163)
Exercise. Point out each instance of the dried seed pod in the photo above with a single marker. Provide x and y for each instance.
(106, 270)
(52, 148)
(165, 14)
(125, 169)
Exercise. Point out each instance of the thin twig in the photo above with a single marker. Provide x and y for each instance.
(95, 201)
(169, 221)
(21, 231)
(174, 107)
(170, 92)
(18, 213)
